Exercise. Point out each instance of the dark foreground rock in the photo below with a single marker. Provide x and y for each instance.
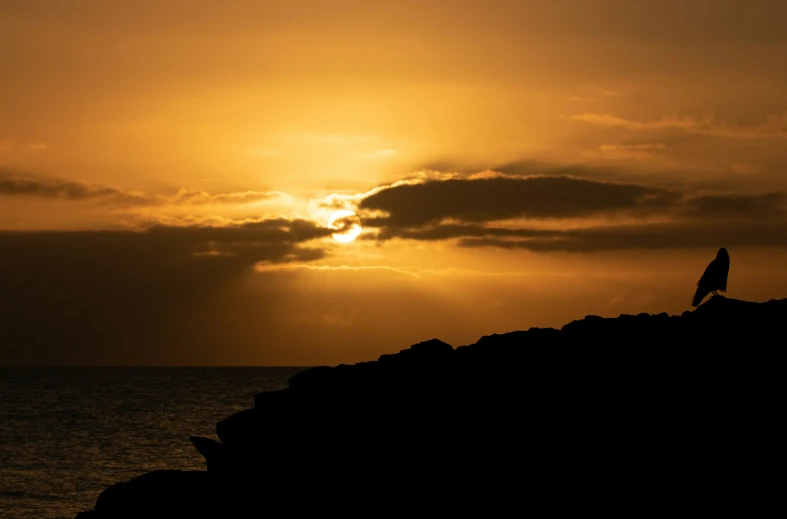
(653, 409)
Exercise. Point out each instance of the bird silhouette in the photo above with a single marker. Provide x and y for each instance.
(714, 278)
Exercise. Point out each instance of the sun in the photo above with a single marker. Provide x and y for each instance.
(347, 225)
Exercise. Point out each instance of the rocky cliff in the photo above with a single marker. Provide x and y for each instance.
(649, 408)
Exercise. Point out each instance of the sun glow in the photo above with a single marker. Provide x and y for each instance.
(347, 225)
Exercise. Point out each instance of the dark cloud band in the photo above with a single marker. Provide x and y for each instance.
(642, 237)
(150, 296)
(499, 198)
(469, 211)
(13, 184)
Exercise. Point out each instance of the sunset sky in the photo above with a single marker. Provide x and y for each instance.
(168, 173)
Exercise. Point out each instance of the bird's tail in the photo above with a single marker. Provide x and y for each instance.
(699, 295)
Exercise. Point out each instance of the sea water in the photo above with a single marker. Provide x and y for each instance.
(68, 433)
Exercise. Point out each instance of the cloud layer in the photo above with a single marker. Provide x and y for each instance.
(504, 197)
(82, 297)
(774, 126)
(563, 213)
(13, 184)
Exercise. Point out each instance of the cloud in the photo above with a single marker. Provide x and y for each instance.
(629, 151)
(667, 121)
(673, 235)
(7, 144)
(276, 240)
(742, 168)
(741, 206)
(774, 126)
(504, 197)
(453, 231)
(331, 268)
(678, 235)
(154, 296)
(561, 213)
(192, 197)
(649, 146)
(13, 184)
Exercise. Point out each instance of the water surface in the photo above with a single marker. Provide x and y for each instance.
(68, 433)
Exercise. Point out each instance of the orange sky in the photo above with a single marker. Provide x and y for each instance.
(167, 173)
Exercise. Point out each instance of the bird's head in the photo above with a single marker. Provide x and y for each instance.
(722, 254)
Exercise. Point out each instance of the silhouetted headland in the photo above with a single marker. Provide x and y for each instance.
(654, 409)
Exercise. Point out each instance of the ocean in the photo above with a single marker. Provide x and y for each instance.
(68, 433)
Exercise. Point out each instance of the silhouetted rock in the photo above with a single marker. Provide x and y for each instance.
(161, 493)
(215, 453)
(604, 407)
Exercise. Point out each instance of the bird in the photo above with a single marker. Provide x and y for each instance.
(714, 278)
